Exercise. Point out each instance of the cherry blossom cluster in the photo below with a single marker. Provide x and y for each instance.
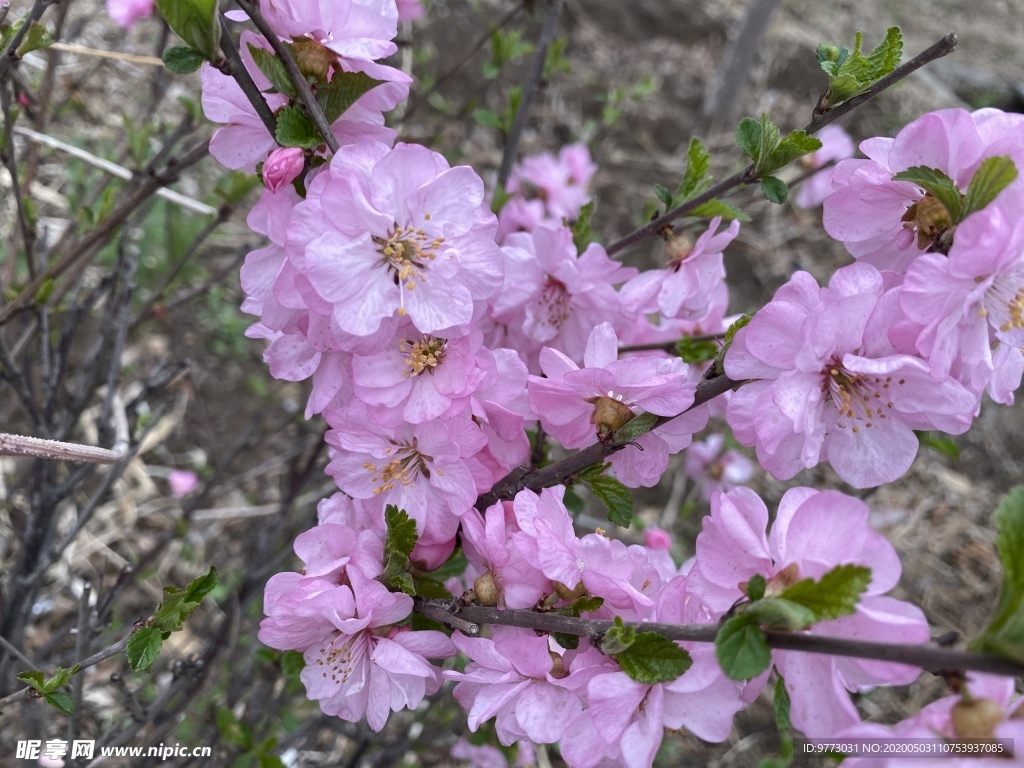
(929, 319)
(445, 344)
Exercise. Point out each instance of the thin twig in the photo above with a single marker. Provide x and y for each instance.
(83, 50)
(561, 471)
(9, 56)
(23, 445)
(819, 121)
(668, 346)
(301, 84)
(926, 656)
(92, 661)
(547, 36)
(233, 66)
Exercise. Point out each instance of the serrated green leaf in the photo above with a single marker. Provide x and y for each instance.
(296, 129)
(652, 658)
(196, 22)
(756, 587)
(273, 69)
(777, 613)
(716, 207)
(618, 638)
(780, 703)
(852, 73)
(143, 648)
(694, 351)
(587, 604)
(635, 427)
(835, 594)
(61, 702)
(774, 189)
(939, 184)
(36, 38)
(937, 442)
(993, 176)
(794, 146)
(616, 498)
(201, 586)
(582, 235)
(663, 195)
(1004, 635)
(741, 648)
(399, 541)
(344, 90)
(695, 178)
(719, 365)
(748, 137)
(34, 678)
(770, 138)
(182, 60)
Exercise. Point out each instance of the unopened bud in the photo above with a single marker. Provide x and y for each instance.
(609, 415)
(486, 590)
(282, 167)
(976, 718)
(314, 59)
(558, 670)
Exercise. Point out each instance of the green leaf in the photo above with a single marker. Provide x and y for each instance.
(653, 658)
(182, 60)
(835, 594)
(488, 118)
(554, 60)
(792, 147)
(774, 189)
(399, 542)
(581, 230)
(780, 703)
(696, 178)
(1005, 633)
(663, 195)
(296, 129)
(196, 22)
(719, 365)
(756, 587)
(993, 176)
(939, 184)
(939, 443)
(616, 498)
(695, 351)
(770, 137)
(748, 136)
(344, 90)
(34, 678)
(36, 38)
(852, 73)
(716, 207)
(569, 642)
(61, 702)
(741, 648)
(618, 638)
(776, 613)
(143, 648)
(635, 427)
(273, 69)
(573, 502)
(201, 586)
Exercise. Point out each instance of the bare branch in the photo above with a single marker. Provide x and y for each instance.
(23, 445)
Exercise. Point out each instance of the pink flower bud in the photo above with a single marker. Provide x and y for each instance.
(655, 538)
(182, 482)
(282, 167)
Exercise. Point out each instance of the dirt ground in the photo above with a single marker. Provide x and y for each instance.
(937, 516)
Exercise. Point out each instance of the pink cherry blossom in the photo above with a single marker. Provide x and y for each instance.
(971, 303)
(830, 385)
(686, 286)
(889, 223)
(570, 399)
(478, 756)
(182, 482)
(385, 233)
(713, 467)
(554, 296)
(244, 141)
(410, 10)
(522, 215)
(127, 12)
(813, 532)
(656, 538)
(560, 183)
(835, 145)
(936, 721)
(528, 684)
(282, 167)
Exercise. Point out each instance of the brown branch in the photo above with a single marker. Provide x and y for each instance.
(9, 56)
(547, 36)
(23, 445)
(928, 657)
(561, 471)
(301, 84)
(668, 346)
(233, 66)
(819, 121)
